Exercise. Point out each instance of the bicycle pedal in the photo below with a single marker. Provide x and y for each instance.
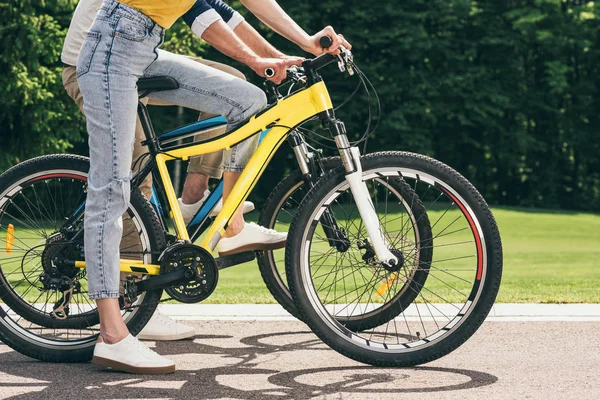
(234, 259)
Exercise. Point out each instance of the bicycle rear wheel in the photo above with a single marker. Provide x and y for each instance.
(462, 279)
(45, 311)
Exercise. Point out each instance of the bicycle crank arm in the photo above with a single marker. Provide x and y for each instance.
(167, 280)
(367, 211)
(234, 259)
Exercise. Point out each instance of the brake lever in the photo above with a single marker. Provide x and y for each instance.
(341, 63)
(296, 74)
(345, 60)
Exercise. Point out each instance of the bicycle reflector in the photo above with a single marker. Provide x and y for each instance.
(10, 237)
(389, 281)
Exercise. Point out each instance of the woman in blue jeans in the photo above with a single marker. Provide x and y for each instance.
(121, 47)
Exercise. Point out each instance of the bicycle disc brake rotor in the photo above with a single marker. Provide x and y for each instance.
(201, 287)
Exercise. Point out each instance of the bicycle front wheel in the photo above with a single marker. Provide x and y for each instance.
(463, 275)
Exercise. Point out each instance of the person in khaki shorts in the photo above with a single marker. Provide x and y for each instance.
(200, 168)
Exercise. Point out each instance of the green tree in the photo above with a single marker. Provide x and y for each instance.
(35, 116)
(505, 91)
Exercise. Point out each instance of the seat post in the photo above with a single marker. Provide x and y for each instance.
(151, 140)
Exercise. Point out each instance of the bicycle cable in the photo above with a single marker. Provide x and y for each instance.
(378, 123)
(367, 85)
(140, 160)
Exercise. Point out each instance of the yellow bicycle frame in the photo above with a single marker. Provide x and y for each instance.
(286, 114)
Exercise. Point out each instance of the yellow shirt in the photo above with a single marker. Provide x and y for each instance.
(163, 12)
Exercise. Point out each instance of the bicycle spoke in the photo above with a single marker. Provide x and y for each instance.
(416, 299)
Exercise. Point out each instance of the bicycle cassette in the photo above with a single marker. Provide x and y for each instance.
(207, 274)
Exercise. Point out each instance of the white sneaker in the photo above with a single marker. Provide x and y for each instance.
(252, 237)
(131, 355)
(161, 327)
(189, 210)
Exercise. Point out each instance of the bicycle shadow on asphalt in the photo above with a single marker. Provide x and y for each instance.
(222, 366)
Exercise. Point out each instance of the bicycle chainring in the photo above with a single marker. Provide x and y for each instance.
(183, 256)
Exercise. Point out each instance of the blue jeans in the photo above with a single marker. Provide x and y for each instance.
(121, 47)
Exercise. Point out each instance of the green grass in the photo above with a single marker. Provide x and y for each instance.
(549, 257)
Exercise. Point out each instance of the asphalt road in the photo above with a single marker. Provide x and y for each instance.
(283, 360)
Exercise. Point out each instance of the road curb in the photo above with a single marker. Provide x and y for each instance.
(274, 312)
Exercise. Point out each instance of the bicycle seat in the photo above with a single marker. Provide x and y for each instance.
(156, 84)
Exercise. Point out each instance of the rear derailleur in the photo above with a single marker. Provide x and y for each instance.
(67, 287)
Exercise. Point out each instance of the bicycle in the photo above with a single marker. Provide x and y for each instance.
(337, 221)
(311, 167)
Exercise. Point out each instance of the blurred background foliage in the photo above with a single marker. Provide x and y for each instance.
(506, 92)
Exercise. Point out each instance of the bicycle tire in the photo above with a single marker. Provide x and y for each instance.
(37, 346)
(463, 199)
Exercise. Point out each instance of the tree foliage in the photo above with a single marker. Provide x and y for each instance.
(505, 91)
(36, 116)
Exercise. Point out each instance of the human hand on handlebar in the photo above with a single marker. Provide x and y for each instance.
(292, 59)
(337, 39)
(274, 69)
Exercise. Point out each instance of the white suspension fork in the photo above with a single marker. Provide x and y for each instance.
(367, 211)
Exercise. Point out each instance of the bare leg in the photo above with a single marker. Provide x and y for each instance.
(194, 188)
(112, 326)
(237, 222)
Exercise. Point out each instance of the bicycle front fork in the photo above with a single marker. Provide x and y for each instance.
(351, 160)
(311, 168)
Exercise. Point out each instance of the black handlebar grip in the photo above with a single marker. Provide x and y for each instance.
(269, 72)
(325, 42)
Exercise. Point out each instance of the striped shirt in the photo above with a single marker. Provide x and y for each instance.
(199, 12)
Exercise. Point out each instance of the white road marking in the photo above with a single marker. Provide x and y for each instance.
(274, 312)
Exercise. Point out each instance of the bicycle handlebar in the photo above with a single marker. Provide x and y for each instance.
(316, 63)
(269, 72)
(324, 59)
(326, 42)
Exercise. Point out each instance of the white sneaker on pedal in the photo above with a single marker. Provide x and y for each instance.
(189, 210)
(252, 237)
(161, 327)
(131, 355)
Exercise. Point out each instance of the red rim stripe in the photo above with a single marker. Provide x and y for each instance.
(475, 234)
(39, 178)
